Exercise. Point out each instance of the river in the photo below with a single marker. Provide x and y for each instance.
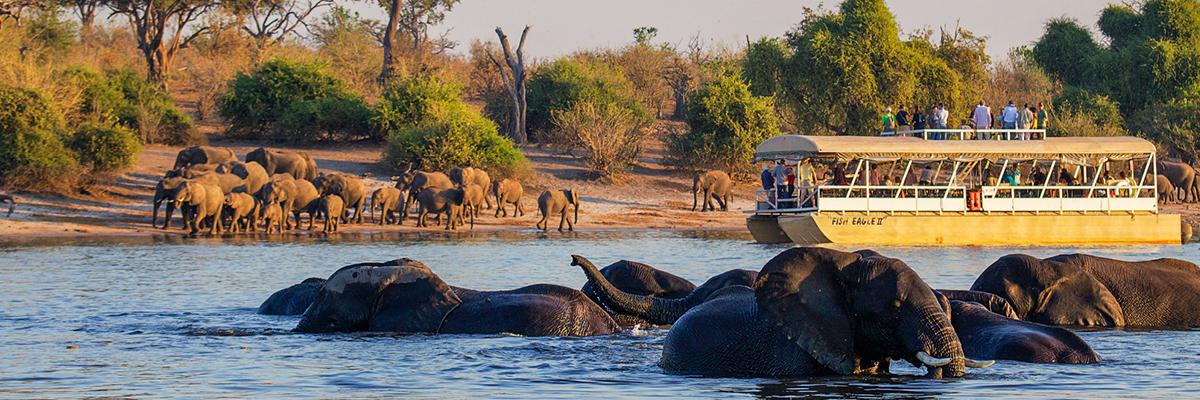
(173, 317)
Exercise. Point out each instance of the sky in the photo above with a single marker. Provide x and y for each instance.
(563, 26)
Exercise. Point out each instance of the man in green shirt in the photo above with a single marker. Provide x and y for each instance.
(889, 121)
(1043, 117)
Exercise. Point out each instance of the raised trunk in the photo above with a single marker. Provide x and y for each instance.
(654, 310)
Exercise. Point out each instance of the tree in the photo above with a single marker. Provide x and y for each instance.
(161, 29)
(394, 9)
(416, 18)
(764, 64)
(270, 21)
(15, 9)
(86, 10)
(725, 124)
(514, 81)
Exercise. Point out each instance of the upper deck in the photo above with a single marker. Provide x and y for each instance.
(908, 172)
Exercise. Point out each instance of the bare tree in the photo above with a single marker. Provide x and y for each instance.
(86, 10)
(417, 16)
(390, 57)
(161, 29)
(15, 9)
(270, 21)
(514, 81)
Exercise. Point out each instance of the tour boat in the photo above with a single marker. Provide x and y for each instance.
(971, 187)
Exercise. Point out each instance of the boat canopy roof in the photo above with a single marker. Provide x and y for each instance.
(1075, 150)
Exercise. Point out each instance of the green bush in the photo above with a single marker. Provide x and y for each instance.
(1101, 109)
(105, 148)
(30, 147)
(726, 123)
(558, 86)
(327, 119)
(124, 97)
(409, 102)
(258, 102)
(453, 135)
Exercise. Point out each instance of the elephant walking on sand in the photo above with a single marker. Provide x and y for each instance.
(811, 311)
(1182, 177)
(12, 202)
(1085, 290)
(508, 191)
(712, 185)
(405, 296)
(414, 182)
(558, 201)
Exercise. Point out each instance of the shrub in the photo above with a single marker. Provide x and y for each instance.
(609, 136)
(560, 85)
(409, 102)
(726, 123)
(105, 148)
(327, 119)
(31, 150)
(1099, 108)
(124, 97)
(257, 102)
(454, 135)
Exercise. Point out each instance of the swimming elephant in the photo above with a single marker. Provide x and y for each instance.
(993, 303)
(1182, 176)
(659, 305)
(295, 163)
(201, 203)
(406, 296)
(253, 175)
(241, 208)
(987, 335)
(292, 300)
(203, 155)
(1084, 290)
(710, 185)
(811, 311)
(1166, 190)
(441, 201)
(164, 192)
(558, 201)
(388, 201)
(332, 207)
(508, 191)
(413, 182)
(350, 188)
(12, 202)
(465, 176)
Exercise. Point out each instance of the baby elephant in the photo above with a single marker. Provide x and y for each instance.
(441, 201)
(332, 206)
(241, 208)
(508, 191)
(558, 202)
(709, 186)
(388, 200)
(473, 200)
(272, 215)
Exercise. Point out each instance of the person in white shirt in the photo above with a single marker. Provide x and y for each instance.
(982, 117)
(1010, 115)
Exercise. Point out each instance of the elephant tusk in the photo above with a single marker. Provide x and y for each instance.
(979, 364)
(931, 360)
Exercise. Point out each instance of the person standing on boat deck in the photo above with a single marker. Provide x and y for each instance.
(919, 121)
(926, 176)
(983, 118)
(1010, 115)
(791, 182)
(943, 116)
(768, 182)
(889, 120)
(902, 120)
(1043, 117)
(1027, 121)
(780, 176)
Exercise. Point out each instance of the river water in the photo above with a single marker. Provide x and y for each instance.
(171, 317)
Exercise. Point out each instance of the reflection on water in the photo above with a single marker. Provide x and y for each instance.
(155, 316)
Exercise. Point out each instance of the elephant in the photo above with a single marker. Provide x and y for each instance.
(12, 203)
(473, 200)
(241, 207)
(993, 303)
(557, 201)
(200, 202)
(332, 207)
(297, 164)
(229, 183)
(203, 155)
(1085, 290)
(296, 196)
(292, 300)
(1166, 190)
(508, 191)
(441, 201)
(350, 188)
(811, 311)
(253, 175)
(413, 182)
(987, 335)
(272, 215)
(466, 176)
(388, 201)
(405, 296)
(671, 295)
(164, 192)
(712, 185)
(1182, 176)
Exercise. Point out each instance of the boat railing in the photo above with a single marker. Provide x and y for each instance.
(971, 134)
(1122, 197)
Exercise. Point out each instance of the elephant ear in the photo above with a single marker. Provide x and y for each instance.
(417, 301)
(799, 291)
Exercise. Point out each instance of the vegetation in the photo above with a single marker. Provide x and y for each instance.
(609, 136)
(31, 149)
(726, 123)
(293, 101)
(105, 148)
(559, 86)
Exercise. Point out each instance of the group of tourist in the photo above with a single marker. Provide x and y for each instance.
(1017, 118)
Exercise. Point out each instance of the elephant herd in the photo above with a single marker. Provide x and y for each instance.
(1178, 182)
(272, 189)
(807, 311)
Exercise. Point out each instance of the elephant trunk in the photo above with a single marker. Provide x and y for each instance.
(937, 345)
(655, 310)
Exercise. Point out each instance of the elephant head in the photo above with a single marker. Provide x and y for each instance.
(1055, 291)
(186, 192)
(849, 311)
(396, 296)
(657, 310)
